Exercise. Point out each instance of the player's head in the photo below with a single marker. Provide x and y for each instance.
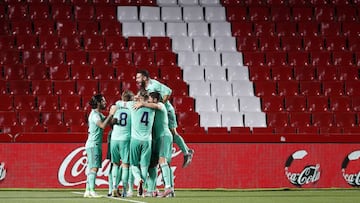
(98, 101)
(142, 95)
(127, 95)
(154, 97)
(142, 76)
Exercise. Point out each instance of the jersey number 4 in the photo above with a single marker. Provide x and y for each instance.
(145, 118)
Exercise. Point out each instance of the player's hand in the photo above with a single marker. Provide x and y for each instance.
(138, 105)
(113, 108)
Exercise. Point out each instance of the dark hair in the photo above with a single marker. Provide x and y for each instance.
(95, 100)
(155, 95)
(143, 93)
(143, 72)
(127, 95)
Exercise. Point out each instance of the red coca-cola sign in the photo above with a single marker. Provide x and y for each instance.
(215, 165)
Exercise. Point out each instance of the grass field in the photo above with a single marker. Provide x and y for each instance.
(190, 196)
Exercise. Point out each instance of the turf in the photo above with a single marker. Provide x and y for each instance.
(190, 196)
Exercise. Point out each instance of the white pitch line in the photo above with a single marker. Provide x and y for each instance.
(120, 199)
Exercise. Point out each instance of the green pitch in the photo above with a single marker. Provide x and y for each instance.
(190, 196)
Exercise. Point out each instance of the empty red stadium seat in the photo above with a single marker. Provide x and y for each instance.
(104, 72)
(9, 57)
(265, 88)
(356, 104)
(298, 58)
(24, 102)
(115, 43)
(48, 42)
(280, 13)
(70, 103)
(333, 88)
(52, 118)
(247, 43)
(308, 130)
(272, 104)
(76, 57)
(340, 104)
(84, 12)
(48, 102)
(330, 29)
(286, 29)
(75, 118)
(327, 73)
(129, 85)
(38, 11)
(254, 58)
(81, 72)
(17, 11)
(29, 118)
(14, 72)
(7, 42)
(19, 87)
(31, 57)
(281, 73)
(121, 58)
(336, 43)
(99, 58)
(87, 28)
(6, 102)
(59, 72)
(295, 103)
(54, 57)
(70, 43)
(160, 44)
(288, 88)
(277, 119)
(66, 27)
(310, 88)
(41, 87)
(269, 43)
(87, 87)
(346, 13)
(143, 58)
(241, 29)
(235, 14)
(313, 43)
(317, 103)
(138, 43)
(343, 58)
(108, 87)
(104, 12)
(183, 104)
(345, 119)
(320, 58)
(351, 29)
(188, 119)
(170, 73)
(302, 14)
(110, 28)
(93, 42)
(305, 73)
(26, 42)
(61, 11)
(264, 28)
(165, 58)
(348, 73)
(259, 13)
(8, 118)
(300, 119)
(322, 119)
(324, 13)
(259, 73)
(64, 87)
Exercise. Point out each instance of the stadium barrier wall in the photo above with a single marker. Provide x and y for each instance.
(215, 165)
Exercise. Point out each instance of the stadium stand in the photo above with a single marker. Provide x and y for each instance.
(287, 68)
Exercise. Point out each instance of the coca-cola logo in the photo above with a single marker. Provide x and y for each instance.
(299, 174)
(350, 168)
(73, 169)
(2, 171)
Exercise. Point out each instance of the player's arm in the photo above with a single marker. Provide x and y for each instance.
(138, 105)
(103, 124)
(166, 92)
